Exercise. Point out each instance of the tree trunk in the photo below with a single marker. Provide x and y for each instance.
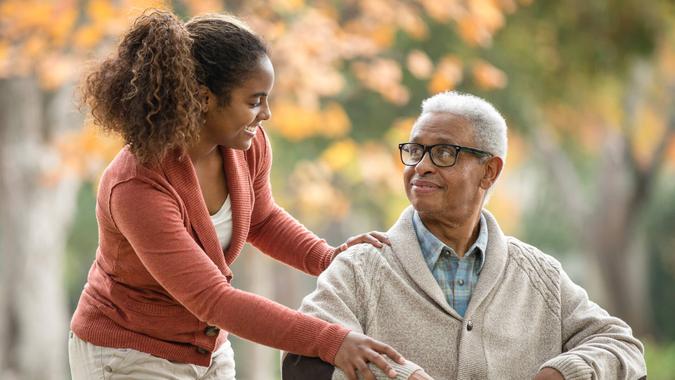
(34, 222)
(608, 222)
(616, 238)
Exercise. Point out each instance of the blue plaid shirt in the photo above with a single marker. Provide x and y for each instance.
(456, 277)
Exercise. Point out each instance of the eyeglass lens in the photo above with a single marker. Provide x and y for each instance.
(441, 155)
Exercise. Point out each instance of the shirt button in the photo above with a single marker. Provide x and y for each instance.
(211, 331)
(460, 282)
(469, 326)
(202, 351)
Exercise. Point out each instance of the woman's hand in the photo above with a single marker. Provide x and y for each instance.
(358, 350)
(375, 238)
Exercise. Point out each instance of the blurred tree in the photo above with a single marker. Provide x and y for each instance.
(44, 158)
(581, 84)
(591, 87)
(34, 220)
(43, 47)
(661, 242)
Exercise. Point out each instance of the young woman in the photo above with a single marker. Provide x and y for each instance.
(177, 204)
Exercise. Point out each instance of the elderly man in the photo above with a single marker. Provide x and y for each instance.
(453, 294)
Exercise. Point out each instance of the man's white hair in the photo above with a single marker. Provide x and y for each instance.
(488, 125)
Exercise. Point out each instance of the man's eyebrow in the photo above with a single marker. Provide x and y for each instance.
(258, 94)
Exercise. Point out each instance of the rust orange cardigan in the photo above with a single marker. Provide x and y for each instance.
(160, 277)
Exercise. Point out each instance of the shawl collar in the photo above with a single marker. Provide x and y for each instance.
(407, 250)
(241, 195)
(181, 174)
(493, 267)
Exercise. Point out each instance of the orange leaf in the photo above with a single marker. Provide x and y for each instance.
(487, 76)
(440, 10)
(447, 75)
(649, 132)
(473, 32)
(100, 11)
(419, 64)
(383, 35)
(340, 154)
(506, 208)
(34, 47)
(334, 121)
(294, 122)
(198, 7)
(87, 36)
(412, 24)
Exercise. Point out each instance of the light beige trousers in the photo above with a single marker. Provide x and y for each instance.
(91, 362)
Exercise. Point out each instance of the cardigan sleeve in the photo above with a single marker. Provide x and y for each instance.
(150, 219)
(342, 295)
(273, 230)
(595, 344)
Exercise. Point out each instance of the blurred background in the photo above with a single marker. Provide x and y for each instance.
(587, 88)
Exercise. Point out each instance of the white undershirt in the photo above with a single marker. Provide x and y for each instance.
(222, 220)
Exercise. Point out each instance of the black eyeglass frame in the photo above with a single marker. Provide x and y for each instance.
(428, 148)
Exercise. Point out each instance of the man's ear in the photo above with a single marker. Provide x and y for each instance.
(493, 167)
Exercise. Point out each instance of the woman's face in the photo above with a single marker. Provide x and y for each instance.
(234, 124)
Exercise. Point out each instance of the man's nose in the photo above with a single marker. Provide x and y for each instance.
(425, 165)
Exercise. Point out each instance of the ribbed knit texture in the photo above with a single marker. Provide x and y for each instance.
(524, 313)
(160, 277)
(571, 367)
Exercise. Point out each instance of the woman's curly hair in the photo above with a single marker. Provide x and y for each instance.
(148, 91)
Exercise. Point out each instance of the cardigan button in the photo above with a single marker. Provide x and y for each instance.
(469, 326)
(211, 331)
(107, 368)
(202, 351)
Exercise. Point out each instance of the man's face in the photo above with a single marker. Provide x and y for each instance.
(450, 194)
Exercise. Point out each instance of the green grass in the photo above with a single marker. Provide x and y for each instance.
(660, 360)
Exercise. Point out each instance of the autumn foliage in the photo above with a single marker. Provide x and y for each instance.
(323, 51)
(326, 54)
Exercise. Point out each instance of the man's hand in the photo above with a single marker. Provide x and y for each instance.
(548, 373)
(420, 375)
(358, 350)
(374, 238)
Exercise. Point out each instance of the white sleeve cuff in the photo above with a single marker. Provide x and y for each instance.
(571, 367)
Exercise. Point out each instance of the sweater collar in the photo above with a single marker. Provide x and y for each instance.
(432, 247)
(180, 172)
(407, 250)
(241, 193)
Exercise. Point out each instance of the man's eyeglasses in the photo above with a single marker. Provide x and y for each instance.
(442, 155)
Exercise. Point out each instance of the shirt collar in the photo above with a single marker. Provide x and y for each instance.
(432, 247)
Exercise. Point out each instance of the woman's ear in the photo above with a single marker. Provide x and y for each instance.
(493, 167)
(206, 98)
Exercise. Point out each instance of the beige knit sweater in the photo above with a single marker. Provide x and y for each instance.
(525, 313)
